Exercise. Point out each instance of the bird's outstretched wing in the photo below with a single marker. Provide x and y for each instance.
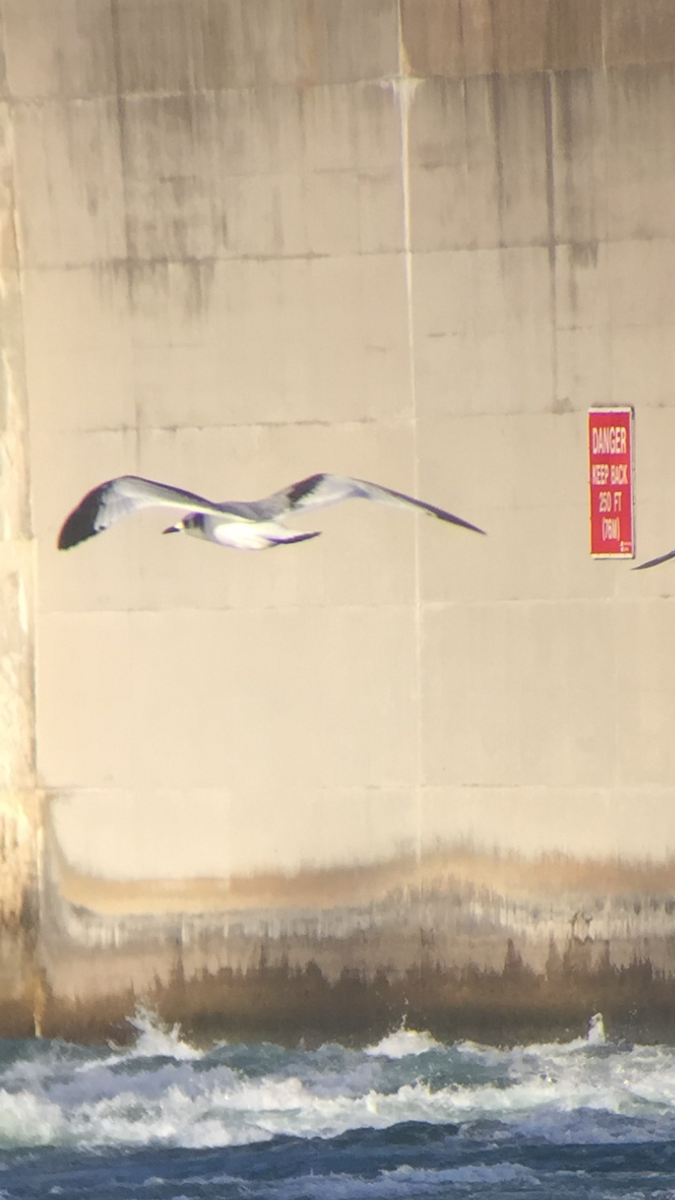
(320, 491)
(117, 498)
(654, 562)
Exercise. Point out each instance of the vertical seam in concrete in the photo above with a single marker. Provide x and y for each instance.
(616, 690)
(550, 209)
(405, 86)
(604, 239)
(603, 38)
(495, 85)
(121, 125)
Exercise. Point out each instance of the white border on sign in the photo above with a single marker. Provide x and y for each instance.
(612, 408)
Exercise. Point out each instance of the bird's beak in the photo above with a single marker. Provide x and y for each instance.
(174, 528)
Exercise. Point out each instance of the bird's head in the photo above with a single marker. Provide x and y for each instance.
(192, 523)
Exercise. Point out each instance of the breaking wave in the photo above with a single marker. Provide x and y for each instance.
(405, 1117)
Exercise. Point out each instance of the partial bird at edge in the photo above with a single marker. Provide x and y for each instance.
(654, 562)
(243, 525)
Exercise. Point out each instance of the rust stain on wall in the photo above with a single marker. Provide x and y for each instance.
(507, 875)
(468, 944)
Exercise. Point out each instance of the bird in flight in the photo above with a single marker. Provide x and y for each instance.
(244, 525)
(654, 562)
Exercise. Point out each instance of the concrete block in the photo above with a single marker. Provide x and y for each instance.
(79, 361)
(59, 48)
(70, 187)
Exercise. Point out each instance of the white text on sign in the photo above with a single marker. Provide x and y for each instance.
(609, 439)
(614, 473)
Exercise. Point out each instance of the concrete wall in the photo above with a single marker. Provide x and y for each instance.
(20, 825)
(409, 241)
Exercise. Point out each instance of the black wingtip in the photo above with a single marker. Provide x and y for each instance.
(445, 516)
(80, 523)
(304, 487)
(73, 531)
(655, 562)
(431, 509)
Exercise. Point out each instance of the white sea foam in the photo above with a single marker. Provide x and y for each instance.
(403, 1042)
(596, 1035)
(163, 1091)
(155, 1039)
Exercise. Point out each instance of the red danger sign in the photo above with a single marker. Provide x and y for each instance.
(610, 456)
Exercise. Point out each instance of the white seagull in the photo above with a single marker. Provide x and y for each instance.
(244, 525)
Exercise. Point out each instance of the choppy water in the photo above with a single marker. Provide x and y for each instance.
(405, 1118)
